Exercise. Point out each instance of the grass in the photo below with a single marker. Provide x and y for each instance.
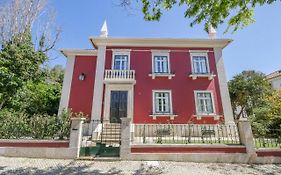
(264, 144)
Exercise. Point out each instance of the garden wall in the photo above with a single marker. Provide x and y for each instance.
(37, 149)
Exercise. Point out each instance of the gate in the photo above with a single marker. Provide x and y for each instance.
(104, 141)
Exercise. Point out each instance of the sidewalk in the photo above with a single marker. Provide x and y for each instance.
(26, 166)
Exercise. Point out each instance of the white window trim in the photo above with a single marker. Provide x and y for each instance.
(161, 53)
(192, 54)
(213, 103)
(121, 52)
(170, 114)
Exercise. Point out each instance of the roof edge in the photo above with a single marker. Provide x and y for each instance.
(159, 42)
(74, 52)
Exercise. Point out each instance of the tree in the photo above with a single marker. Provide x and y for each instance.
(40, 97)
(274, 103)
(239, 13)
(21, 16)
(19, 63)
(55, 74)
(248, 91)
(21, 53)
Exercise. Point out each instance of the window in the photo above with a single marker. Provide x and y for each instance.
(160, 61)
(162, 102)
(200, 63)
(120, 62)
(120, 59)
(204, 102)
(161, 64)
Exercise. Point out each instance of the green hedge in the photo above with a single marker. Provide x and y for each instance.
(15, 125)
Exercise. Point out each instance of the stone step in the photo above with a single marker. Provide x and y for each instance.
(110, 137)
(111, 130)
(106, 159)
(110, 133)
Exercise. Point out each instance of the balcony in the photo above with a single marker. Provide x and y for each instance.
(119, 76)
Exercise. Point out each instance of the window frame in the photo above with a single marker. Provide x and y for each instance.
(196, 102)
(170, 102)
(160, 53)
(197, 53)
(116, 52)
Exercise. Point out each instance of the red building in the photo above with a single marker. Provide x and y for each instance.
(151, 80)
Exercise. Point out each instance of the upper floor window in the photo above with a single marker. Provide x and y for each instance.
(204, 102)
(162, 102)
(200, 64)
(121, 60)
(160, 62)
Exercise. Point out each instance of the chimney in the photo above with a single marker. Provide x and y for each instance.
(104, 31)
(212, 33)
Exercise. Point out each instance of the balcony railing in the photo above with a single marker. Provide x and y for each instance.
(125, 76)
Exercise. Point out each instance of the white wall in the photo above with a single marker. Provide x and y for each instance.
(276, 83)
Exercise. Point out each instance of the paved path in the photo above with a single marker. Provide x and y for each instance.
(26, 166)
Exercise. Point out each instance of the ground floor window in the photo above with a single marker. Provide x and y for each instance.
(162, 102)
(204, 102)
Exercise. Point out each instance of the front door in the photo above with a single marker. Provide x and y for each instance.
(118, 106)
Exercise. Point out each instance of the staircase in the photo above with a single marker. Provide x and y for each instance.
(110, 134)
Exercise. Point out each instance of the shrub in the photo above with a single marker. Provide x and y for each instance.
(16, 125)
(64, 125)
(13, 125)
(43, 126)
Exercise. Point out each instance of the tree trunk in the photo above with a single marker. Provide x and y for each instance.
(2, 104)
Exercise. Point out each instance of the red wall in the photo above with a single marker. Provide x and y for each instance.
(182, 86)
(269, 153)
(81, 94)
(34, 143)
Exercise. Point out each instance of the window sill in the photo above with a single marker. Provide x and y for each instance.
(154, 75)
(199, 116)
(172, 116)
(210, 76)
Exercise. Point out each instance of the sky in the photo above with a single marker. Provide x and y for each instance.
(256, 47)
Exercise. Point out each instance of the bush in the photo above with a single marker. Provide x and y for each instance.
(13, 125)
(64, 124)
(16, 125)
(43, 126)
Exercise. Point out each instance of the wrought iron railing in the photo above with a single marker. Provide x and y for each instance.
(271, 138)
(119, 75)
(185, 134)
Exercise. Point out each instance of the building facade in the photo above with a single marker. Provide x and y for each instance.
(151, 80)
(275, 79)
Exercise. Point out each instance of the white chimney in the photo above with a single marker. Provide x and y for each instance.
(212, 32)
(104, 31)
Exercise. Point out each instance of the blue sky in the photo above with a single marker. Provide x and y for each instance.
(256, 47)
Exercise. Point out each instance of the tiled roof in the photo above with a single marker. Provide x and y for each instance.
(274, 74)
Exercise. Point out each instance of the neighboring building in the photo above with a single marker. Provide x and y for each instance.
(275, 79)
(151, 80)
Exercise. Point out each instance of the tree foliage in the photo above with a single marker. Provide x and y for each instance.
(248, 90)
(237, 13)
(40, 97)
(19, 63)
(252, 97)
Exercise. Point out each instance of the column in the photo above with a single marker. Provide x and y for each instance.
(225, 98)
(66, 87)
(98, 87)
